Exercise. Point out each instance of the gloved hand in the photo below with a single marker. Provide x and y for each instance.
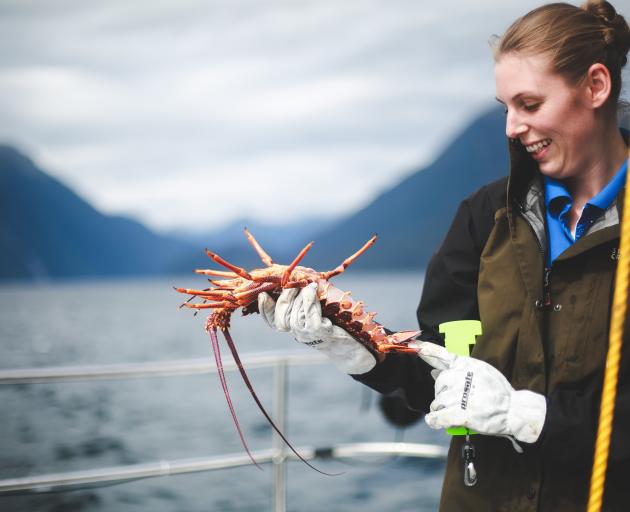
(471, 393)
(298, 311)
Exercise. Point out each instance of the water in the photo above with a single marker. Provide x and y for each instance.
(83, 425)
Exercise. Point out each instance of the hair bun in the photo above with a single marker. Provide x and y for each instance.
(601, 9)
(615, 30)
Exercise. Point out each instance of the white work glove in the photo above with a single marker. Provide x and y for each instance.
(473, 394)
(299, 312)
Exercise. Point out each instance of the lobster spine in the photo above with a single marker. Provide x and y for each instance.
(345, 312)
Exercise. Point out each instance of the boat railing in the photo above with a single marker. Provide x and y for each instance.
(277, 456)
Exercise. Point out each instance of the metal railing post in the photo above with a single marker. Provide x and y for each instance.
(278, 448)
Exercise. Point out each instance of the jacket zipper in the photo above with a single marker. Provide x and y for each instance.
(545, 302)
(521, 210)
(547, 288)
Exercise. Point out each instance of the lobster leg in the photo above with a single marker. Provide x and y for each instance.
(217, 358)
(222, 284)
(241, 369)
(237, 270)
(207, 293)
(215, 305)
(248, 295)
(218, 273)
(188, 299)
(394, 347)
(298, 258)
(351, 259)
(266, 259)
(301, 283)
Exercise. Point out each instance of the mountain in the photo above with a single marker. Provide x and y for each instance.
(46, 230)
(283, 238)
(412, 218)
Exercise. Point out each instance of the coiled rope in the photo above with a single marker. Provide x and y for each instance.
(611, 375)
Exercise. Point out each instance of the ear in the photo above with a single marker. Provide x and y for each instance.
(598, 85)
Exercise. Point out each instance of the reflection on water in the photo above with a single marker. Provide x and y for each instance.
(82, 425)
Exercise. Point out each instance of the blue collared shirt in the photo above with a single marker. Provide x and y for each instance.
(558, 202)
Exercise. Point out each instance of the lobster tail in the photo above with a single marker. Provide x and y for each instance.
(348, 314)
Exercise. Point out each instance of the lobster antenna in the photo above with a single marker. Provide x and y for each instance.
(241, 369)
(217, 358)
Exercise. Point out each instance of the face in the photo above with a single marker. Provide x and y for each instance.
(553, 120)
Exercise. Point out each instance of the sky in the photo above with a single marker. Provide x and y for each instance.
(192, 114)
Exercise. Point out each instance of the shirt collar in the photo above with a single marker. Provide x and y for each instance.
(555, 189)
(608, 194)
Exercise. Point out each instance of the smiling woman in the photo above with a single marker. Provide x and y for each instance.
(558, 72)
(566, 128)
(533, 259)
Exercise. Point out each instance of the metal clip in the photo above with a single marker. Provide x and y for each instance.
(468, 454)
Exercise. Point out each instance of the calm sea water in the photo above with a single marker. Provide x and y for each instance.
(73, 426)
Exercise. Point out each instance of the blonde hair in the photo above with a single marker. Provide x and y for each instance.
(574, 38)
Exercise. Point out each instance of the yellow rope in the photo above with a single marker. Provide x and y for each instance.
(609, 391)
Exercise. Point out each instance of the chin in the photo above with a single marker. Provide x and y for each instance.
(551, 170)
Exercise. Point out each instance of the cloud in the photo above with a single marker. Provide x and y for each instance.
(193, 113)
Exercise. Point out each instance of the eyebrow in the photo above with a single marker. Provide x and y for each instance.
(519, 95)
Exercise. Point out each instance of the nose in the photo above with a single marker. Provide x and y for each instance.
(514, 125)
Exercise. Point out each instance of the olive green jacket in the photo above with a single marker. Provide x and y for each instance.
(549, 338)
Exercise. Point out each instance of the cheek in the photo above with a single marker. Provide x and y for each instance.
(568, 126)
(576, 121)
(579, 132)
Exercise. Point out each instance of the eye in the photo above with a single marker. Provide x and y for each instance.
(505, 111)
(531, 107)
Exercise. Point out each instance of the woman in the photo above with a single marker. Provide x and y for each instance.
(533, 258)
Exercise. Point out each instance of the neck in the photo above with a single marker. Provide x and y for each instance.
(612, 151)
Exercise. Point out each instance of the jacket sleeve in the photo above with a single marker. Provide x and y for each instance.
(449, 293)
(450, 289)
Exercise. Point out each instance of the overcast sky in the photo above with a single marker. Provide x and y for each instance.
(186, 113)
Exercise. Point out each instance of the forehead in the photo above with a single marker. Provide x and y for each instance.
(516, 74)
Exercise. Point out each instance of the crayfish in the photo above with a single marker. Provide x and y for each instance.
(239, 289)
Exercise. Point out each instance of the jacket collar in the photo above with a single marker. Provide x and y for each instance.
(523, 172)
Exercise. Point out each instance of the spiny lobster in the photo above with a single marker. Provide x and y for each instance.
(239, 290)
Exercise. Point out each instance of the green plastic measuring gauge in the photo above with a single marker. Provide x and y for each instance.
(459, 337)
